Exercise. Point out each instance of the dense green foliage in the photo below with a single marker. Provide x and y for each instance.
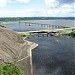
(25, 36)
(34, 18)
(10, 69)
(72, 34)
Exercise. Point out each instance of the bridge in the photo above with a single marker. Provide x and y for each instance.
(44, 33)
(42, 25)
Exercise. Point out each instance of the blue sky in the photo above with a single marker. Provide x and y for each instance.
(37, 8)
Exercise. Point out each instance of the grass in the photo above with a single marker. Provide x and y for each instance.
(72, 34)
(25, 34)
(71, 28)
(10, 69)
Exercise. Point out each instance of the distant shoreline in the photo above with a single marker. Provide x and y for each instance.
(6, 19)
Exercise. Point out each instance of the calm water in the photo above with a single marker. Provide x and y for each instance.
(53, 56)
(25, 27)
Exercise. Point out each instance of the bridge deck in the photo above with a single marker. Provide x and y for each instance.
(40, 24)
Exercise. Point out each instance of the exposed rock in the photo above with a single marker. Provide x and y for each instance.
(13, 47)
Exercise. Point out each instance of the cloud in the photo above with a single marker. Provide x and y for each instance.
(18, 13)
(11, 1)
(51, 8)
(63, 10)
(57, 3)
(66, 6)
(51, 3)
(24, 1)
(66, 1)
(58, 8)
(3, 3)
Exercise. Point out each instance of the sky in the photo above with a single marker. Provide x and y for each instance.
(37, 8)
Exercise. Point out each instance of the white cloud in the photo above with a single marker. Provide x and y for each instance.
(3, 3)
(24, 1)
(51, 3)
(66, 6)
(11, 1)
(53, 8)
(30, 13)
(17, 13)
(63, 10)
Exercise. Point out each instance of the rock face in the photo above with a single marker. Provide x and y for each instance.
(13, 47)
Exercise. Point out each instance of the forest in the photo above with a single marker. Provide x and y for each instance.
(6, 19)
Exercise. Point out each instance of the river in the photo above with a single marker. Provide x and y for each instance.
(53, 56)
(23, 27)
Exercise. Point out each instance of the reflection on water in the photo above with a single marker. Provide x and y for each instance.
(53, 57)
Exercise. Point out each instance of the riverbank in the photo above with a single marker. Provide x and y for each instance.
(14, 48)
(53, 56)
(70, 32)
(58, 32)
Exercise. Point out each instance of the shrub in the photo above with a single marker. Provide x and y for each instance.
(72, 34)
(10, 69)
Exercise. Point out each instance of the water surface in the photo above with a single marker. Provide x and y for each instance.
(53, 56)
(25, 27)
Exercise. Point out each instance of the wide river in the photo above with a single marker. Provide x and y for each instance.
(55, 54)
(25, 27)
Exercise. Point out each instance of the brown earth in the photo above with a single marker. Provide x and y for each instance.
(10, 44)
(13, 47)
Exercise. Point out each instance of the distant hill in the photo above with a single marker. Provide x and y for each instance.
(35, 18)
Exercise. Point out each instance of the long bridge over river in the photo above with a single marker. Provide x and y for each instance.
(52, 29)
(42, 25)
(43, 33)
(36, 24)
